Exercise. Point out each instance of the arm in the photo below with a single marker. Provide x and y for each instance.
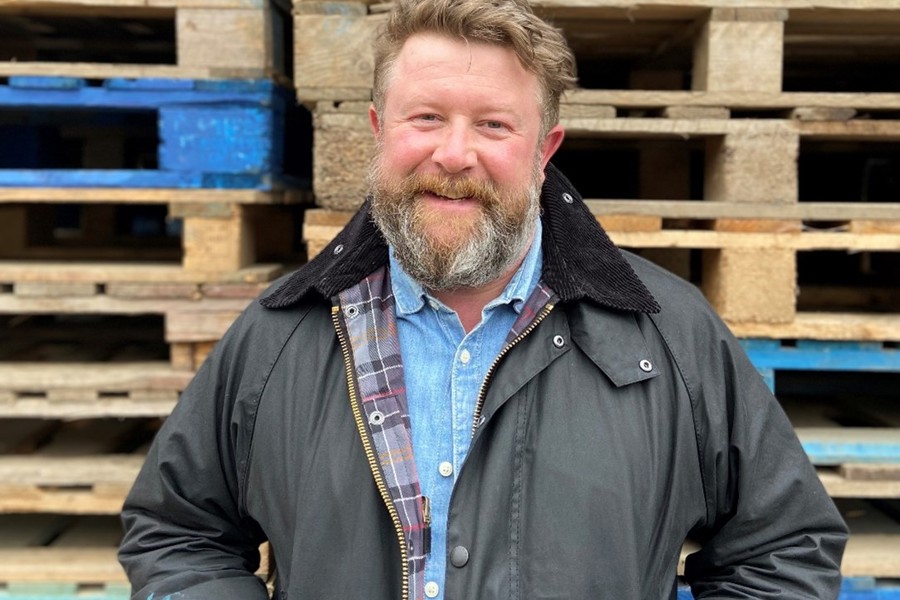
(772, 530)
(185, 531)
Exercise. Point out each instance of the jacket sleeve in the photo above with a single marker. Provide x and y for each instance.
(185, 533)
(771, 528)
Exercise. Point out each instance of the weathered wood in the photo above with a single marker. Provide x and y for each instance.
(41, 289)
(696, 112)
(139, 196)
(741, 100)
(103, 273)
(751, 284)
(710, 209)
(218, 38)
(840, 486)
(334, 50)
(70, 485)
(826, 326)
(871, 472)
(198, 326)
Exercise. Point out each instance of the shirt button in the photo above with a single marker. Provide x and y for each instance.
(459, 556)
(432, 589)
(445, 469)
(465, 357)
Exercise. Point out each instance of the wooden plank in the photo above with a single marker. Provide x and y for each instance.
(73, 564)
(742, 100)
(731, 281)
(144, 273)
(333, 50)
(807, 240)
(198, 326)
(871, 472)
(70, 485)
(126, 71)
(42, 289)
(105, 377)
(826, 326)
(141, 196)
(115, 305)
(202, 32)
(839, 486)
(710, 209)
(834, 446)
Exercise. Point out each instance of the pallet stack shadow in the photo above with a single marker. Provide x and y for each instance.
(151, 185)
(751, 150)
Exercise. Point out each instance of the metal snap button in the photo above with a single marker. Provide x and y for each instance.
(646, 365)
(559, 341)
(376, 418)
(567, 198)
(338, 249)
(351, 311)
(459, 556)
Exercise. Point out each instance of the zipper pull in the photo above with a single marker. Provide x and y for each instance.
(426, 532)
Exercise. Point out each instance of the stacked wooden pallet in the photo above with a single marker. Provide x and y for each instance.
(150, 188)
(749, 147)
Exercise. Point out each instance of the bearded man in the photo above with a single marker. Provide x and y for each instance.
(472, 393)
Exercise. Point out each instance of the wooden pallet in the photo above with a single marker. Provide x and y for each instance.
(70, 467)
(147, 38)
(213, 236)
(156, 133)
(194, 317)
(731, 275)
(715, 48)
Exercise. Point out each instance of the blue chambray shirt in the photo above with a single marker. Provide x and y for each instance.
(443, 369)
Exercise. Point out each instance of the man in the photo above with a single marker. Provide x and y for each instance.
(496, 403)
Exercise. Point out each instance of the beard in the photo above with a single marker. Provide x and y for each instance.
(472, 250)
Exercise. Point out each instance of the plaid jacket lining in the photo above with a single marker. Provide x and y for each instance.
(368, 310)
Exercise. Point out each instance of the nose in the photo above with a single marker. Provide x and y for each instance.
(455, 152)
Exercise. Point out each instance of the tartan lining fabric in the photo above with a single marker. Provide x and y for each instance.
(368, 310)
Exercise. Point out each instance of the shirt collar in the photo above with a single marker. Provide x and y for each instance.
(410, 296)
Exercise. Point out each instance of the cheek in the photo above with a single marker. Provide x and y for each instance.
(406, 151)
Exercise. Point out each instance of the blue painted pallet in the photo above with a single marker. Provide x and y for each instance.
(212, 133)
(852, 588)
(769, 356)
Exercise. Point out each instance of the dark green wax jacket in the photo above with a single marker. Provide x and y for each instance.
(596, 459)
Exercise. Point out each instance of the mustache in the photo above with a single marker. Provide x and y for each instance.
(449, 187)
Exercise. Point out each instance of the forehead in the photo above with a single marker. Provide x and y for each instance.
(430, 58)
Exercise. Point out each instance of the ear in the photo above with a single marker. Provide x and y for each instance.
(551, 144)
(373, 120)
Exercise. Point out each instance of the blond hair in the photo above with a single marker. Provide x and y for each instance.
(540, 47)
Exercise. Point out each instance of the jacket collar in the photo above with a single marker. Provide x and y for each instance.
(579, 262)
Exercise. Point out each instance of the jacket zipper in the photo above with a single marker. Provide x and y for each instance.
(479, 404)
(370, 454)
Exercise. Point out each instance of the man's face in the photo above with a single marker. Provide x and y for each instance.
(460, 160)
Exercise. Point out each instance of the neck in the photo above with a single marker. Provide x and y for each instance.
(468, 303)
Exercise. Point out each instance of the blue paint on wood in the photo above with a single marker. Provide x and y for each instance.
(134, 179)
(125, 94)
(852, 588)
(215, 133)
(29, 82)
(149, 83)
(830, 452)
(815, 355)
(217, 139)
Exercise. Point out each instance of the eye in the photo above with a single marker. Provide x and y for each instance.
(494, 125)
